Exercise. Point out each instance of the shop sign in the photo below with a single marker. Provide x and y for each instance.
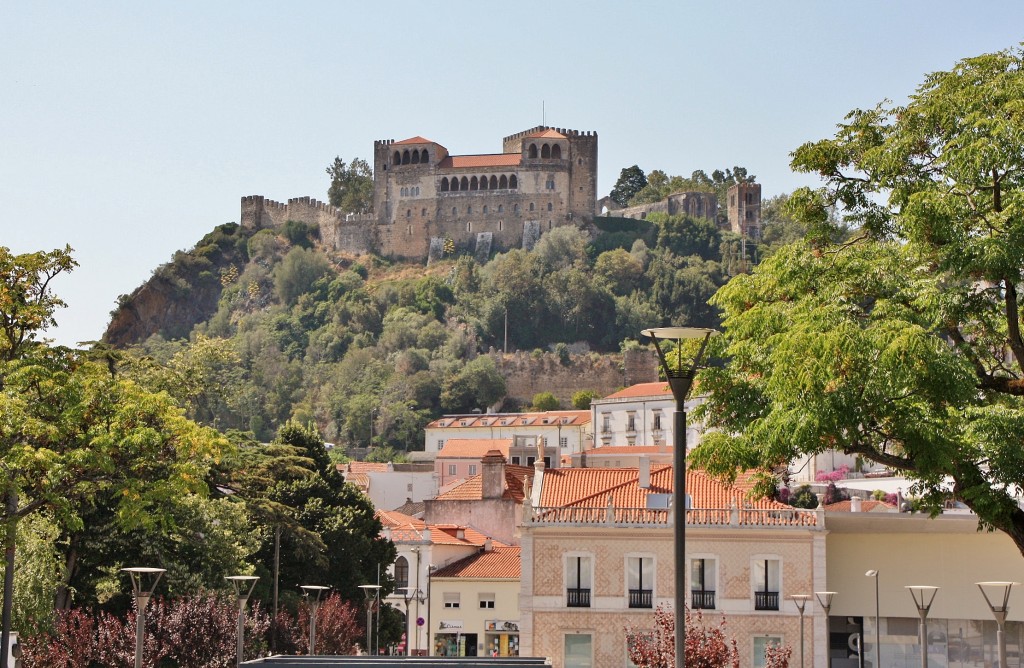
(503, 626)
(450, 625)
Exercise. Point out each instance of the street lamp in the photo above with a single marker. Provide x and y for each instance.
(878, 625)
(679, 380)
(408, 594)
(923, 597)
(801, 603)
(243, 585)
(142, 592)
(313, 594)
(825, 601)
(999, 610)
(371, 592)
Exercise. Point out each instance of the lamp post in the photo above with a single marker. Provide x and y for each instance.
(408, 594)
(680, 380)
(878, 624)
(243, 585)
(923, 597)
(371, 592)
(825, 601)
(313, 594)
(999, 610)
(143, 593)
(801, 603)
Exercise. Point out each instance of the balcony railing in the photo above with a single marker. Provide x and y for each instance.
(766, 600)
(577, 598)
(706, 517)
(641, 598)
(702, 600)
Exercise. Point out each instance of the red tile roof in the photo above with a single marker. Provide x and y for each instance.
(642, 390)
(393, 518)
(554, 418)
(500, 563)
(476, 161)
(592, 487)
(414, 140)
(472, 488)
(448, 534)
(473, 448)
(545, 134)
(365, 467)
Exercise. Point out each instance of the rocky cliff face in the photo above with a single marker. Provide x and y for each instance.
(161, 307)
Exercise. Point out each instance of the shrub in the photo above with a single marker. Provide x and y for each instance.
(581, 400)
(803, 497)
(545, 401)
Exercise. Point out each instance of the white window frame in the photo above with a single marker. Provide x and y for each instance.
(453, 469)
(579, 632)
(756, 560)
(472, 469)
(570, 557)
(653, 574)
(486, 597)
(714, 579)
(758, 661)
(452, 600)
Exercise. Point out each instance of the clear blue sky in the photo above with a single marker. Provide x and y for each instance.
(130, 129)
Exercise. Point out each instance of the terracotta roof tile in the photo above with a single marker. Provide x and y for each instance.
(366, 467)
(642, 390)
(448, 534)
(414, 140)
(475, 161)
(393, 518)
(472, 488)
(554, 418)
(591, 487)
(545, 134)
(473, 448)
(501, 563)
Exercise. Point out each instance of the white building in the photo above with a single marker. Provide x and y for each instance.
(640, 415)
(561, 432)
(390, 485)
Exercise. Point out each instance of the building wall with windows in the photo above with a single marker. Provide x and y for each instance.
(560, 432)
(591, 572)
(641, 414)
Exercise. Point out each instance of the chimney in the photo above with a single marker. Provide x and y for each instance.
(493, 475)
(488, 545)
(855, 504)
(644, 474)
(460, 533)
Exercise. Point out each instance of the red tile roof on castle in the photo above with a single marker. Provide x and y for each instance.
(642, 390)
(486, 160)
(545, 134)
(414, 140)
(472, 489)
(473, 448)
(591, 487)
(500, 563)
(553, 418)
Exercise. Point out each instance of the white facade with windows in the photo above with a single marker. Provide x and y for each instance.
(641, 415)
(560, 432)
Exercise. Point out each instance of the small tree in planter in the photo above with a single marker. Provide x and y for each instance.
(706, 646)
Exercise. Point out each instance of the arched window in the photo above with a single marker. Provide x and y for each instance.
(423, 212)
(424, 156)
(513, 182)
(533, 151)
(415, 157)
(455, 211)
(469, 209)
(485, 208)
(556, 152)
(483, 183)
(494, 182)
(545, 151)
(444, 184)
(408, 213)
(396, 159)
(501, 224)
(464, 184)
(469, 226)
(515, 208)
(405, 157)
(401, 572)
(501, 208)
(531, 206)
(474, 184)
(549, 206)
(503, 182)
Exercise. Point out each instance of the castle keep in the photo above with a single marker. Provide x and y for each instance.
(543, 178)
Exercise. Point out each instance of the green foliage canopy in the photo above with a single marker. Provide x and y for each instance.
(351, 188)
(902, 345)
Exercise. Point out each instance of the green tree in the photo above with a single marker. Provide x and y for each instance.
(298, 271)
(351, 188)
(478, 384)
(902, 345)
(581, 400)
(631, 181)
(545, 401)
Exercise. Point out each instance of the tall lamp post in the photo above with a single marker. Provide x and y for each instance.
(923, 597)
(243, 585)
(825, 601)
(1000, 606)
(801, 603)
(143, 591)
(408, 594)
(680, 380)
(371, 592)
(313, 594)
(878, 622)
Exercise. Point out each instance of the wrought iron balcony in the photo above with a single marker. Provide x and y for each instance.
(766, 600)
(577, 598)
(702, 600)
(641, 598)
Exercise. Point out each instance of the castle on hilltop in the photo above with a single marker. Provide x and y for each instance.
(422, 196)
